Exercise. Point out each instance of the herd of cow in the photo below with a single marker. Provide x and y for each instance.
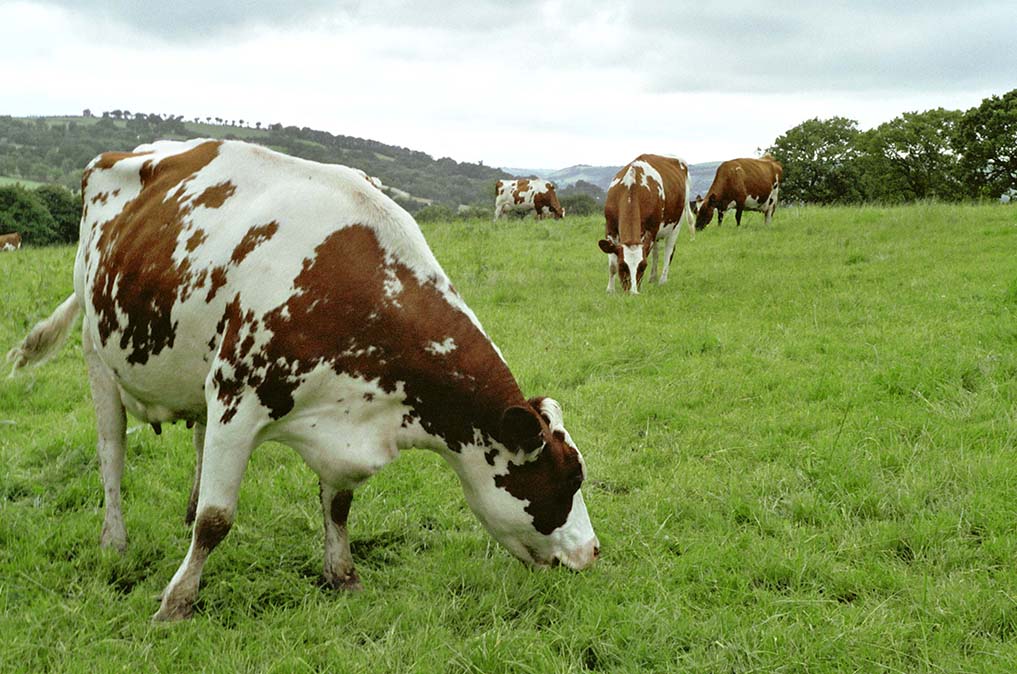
(648, 201)
(256, 296)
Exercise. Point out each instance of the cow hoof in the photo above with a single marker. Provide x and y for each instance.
(173, 611)
(348, 583)
(109, 540)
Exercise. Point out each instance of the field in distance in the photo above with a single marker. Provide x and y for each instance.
(800, 455)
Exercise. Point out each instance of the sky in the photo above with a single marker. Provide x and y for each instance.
(529, 83)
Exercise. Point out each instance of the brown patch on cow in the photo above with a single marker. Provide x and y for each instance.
(217, 280)
(339, 509)
(211, 527)
(255, 237)
(237, 328)
(549, 482)
(100, 197)
(136, 274)
(108, 159)
(216, 195)
(199, 237)
(518, 193)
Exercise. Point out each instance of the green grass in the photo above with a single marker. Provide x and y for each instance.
(801, 454)
(6, 181)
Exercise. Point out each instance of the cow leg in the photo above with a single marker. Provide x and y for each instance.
(338, 572)
(226, 453)
(199, 447)
(612, 269)
(672, 239)
(720, 217)
(111, 427)
(655, 254)
(738, 216)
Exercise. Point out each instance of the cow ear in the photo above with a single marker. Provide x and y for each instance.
(607, 246)
(520, 429)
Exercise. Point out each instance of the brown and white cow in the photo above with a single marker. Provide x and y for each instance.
(744, 185)
(648, 200)
(10, 241)
(263, 297)
(527, 195)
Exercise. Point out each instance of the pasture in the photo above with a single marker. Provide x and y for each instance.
(801, 456)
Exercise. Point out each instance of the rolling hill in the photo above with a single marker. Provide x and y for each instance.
(55, 150)
(601, 176)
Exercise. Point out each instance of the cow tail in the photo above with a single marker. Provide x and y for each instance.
(46, 338)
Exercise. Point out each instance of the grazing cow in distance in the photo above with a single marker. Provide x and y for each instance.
(526, 195)
(263, 297)
(744, 185)
(648, 200)
(10, 241)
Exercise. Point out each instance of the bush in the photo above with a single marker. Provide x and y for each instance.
(580, 204)
(434, 213)
(24, 212)
(65, 209)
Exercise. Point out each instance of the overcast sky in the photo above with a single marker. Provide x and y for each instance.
(528, 83)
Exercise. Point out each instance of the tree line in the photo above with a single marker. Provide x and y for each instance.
(947, 155)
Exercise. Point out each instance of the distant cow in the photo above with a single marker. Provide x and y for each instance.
(526, 195)
(10, 241)
(744, 185)
(263, 297)
(647, 201)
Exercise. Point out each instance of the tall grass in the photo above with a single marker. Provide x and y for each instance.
(800, 450)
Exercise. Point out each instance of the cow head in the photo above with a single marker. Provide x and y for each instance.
(629, 262)
(705, 211)
(526, 489)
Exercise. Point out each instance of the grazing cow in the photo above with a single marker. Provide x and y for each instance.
(745, 185)
(647, 201)
(10, 241)
(263, 297)
(526, 195)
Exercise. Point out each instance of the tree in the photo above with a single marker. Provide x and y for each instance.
(578, 203)
(21, 211)
(65, 209)
(819, 158)
(987, 142)
(912, 157)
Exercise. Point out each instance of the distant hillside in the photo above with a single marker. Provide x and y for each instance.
(601, 176)
(56, 149)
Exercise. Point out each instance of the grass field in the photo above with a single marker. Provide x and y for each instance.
(801, 456)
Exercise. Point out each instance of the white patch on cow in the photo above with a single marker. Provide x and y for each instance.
(8, 246)
(641, 173)
(343, 427)
(752, 203)
(632, 256)
(441, 348)
(393, 286)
